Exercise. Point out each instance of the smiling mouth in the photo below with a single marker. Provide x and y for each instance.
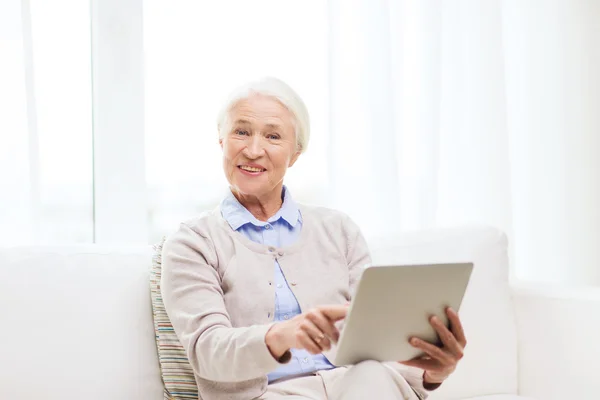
(251, 169)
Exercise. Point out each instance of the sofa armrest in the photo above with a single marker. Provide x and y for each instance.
(559, 350)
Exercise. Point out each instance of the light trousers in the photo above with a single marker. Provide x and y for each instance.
(364, 381)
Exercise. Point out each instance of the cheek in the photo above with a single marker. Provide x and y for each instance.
(229, 151)
(278, 158)
(228, 160)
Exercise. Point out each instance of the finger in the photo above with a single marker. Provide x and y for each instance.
(318, 337)
(304, 341)
(334, 313)
(323, 324)
(447, 337)
(431, 350)
(456, 326)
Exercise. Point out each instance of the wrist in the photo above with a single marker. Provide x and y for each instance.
(433, 378)
(275, 341)
(432, 382)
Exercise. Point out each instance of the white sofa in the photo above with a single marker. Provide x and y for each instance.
(75, 323)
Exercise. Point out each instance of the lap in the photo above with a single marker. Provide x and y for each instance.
(302, 388)
(369, 379)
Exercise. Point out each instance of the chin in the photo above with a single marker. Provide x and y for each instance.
(249, 188)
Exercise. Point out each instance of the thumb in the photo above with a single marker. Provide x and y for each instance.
(334, 313)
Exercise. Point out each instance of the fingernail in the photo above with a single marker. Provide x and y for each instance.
(414, 341)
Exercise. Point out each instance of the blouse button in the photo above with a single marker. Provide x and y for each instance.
(272, 249)
(281, 254)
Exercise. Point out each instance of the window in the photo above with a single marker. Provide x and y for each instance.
(45, 123)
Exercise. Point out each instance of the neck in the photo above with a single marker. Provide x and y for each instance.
(261, 207)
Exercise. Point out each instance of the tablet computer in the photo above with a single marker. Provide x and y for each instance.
(393, 304)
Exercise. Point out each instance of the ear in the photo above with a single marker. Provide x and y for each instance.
(294, 158)
(221, 143)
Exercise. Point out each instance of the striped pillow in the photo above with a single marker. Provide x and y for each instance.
(176, 371)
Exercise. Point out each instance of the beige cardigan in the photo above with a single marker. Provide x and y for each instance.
(218, 292)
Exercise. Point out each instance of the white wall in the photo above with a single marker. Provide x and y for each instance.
(552, 52)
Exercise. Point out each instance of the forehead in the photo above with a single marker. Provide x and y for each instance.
(263, 110)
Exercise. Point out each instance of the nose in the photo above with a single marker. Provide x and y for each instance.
(255, 148)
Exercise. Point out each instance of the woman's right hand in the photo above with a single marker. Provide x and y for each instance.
(313, 330)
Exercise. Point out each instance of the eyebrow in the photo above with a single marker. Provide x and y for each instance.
(246, 122)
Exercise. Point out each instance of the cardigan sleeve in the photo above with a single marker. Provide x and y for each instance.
(193, 298)
(357, 253)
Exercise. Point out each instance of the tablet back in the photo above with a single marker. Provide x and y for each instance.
(394, 303)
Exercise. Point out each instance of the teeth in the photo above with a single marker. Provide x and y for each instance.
(250, 169)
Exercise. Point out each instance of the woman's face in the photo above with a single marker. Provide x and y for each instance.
(259, 146)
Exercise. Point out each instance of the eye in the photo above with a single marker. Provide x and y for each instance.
(273, 136)
(241, 132)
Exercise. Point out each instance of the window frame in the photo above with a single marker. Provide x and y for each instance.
(119, 189)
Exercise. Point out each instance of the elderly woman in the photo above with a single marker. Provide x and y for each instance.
(254, 289)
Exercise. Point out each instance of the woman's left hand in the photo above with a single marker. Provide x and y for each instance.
(440, 361)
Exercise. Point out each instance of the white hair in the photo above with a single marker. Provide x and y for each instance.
(279, 90)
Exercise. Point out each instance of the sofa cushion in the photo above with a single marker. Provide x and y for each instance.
(76, 323)
(177, 373)
(500, 397)
(490, 362)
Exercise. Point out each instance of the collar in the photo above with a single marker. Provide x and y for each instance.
(237, 215)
